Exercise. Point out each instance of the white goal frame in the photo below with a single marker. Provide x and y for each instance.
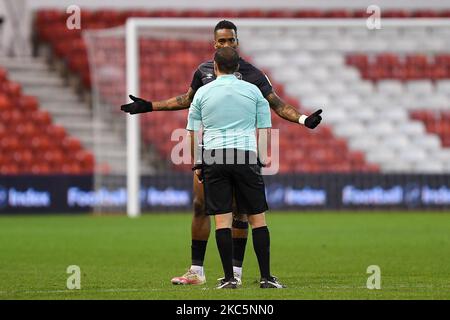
(132, 69)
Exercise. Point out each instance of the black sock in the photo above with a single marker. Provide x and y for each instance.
(239, 244)
(198, 250)
(225, 246)
(239, 251)
(261, 244)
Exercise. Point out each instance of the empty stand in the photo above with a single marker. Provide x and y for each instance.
(367, 88)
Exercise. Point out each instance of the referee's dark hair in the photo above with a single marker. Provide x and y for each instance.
(227, 60)
(225, 24)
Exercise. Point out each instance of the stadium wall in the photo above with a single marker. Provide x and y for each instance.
(71, 194)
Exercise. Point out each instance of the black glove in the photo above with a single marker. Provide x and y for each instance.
(137, 106)
(313, 120)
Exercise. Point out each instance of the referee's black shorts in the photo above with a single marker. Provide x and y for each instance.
(228, 178)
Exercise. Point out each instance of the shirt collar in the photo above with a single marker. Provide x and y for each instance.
(227, 76)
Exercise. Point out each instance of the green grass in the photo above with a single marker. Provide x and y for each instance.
(317, 255)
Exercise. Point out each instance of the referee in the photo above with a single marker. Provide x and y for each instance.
(230, 110)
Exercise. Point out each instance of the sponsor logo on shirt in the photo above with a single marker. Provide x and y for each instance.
(238, 75)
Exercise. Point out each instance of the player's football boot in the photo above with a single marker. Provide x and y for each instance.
(190, 277)
(236, 276)
(231, 284)
(271, 282)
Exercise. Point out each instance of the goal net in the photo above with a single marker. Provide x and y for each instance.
(333, 64)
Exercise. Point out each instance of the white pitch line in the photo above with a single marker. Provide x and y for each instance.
(323, 288)
(82, 290)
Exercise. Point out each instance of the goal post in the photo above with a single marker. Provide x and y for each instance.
(133, 128)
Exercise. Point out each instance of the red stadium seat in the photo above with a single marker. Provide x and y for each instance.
(339, 13)
(425, 14)
(194, 13)
(395, 14)
(5, 103)
(222, 13)
(56, 133)
(280, 14)
(309, 14)
(411, 67)
(86, 160)
(3, 130)
(357, 60)
(23, 157)
(9, 169)
(360, 14)
(12, 89)
(255, 13)
(419, 60)
(3, 75)
(435, 122)
(10, 143)
(26, 130)
(40, 169)
(54, 157)
(72, 145)
(41, 118)
(11, 117)
(40, 143)
(71, 168)
(357, 158)
(28, 103)
(387, 59)
(444, 14)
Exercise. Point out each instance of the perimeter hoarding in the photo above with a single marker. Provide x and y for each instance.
(66, 194)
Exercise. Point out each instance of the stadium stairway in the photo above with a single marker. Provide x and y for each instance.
(66, 108)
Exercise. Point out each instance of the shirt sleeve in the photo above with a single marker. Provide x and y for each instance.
(195, 114)
(263, 119)
(263, 84)
(196, 82)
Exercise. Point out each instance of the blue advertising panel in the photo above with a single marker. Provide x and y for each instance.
(67, 194)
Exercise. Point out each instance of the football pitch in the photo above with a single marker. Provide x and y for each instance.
(317, 255)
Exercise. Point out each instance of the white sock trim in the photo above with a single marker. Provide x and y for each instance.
(198, 270)
(238, 270)
(302, 119)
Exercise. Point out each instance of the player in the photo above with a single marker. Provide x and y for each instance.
(230, 110)
(225, 35)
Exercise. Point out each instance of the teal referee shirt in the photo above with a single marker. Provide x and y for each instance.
(229, 110)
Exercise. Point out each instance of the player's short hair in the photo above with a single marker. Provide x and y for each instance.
(227, 59)
(225, 24)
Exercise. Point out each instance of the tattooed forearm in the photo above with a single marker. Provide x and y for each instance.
(176, 103)
(181, 100)
(283, 109)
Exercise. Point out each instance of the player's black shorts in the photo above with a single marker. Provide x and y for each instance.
(243, 180)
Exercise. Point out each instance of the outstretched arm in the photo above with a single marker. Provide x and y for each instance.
(290, 113)
(176, 103)
(282, 109)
